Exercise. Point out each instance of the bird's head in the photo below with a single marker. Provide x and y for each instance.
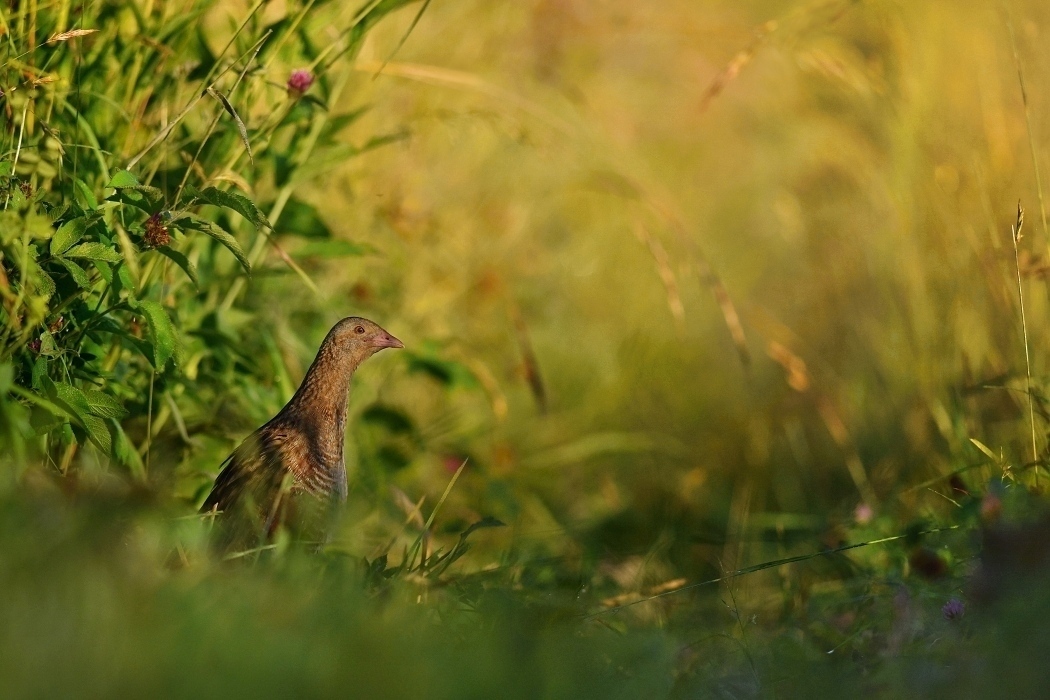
(360, 338)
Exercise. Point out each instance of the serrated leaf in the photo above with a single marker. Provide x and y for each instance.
(75, 271)
(98, 432)
(72, 397)
(162, 333)
(236, 202)
(103, 405)
(68, 234)
(233, 113)
(44, 284)
(182, 261)
(213, 230)
(123, 178)
(94, 251)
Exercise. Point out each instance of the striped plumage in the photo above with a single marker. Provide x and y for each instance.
(291, 469)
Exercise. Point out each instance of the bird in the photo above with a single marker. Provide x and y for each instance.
(291, 470)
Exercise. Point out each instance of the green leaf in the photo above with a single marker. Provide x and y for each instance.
(75, 271)
(182, 261)
(39, 374)
(213, 230)
(162, 333)
(83, 195)
(125, 453)
(236, 202)
(147, 199)
(68, 234)
(94, 426)
(123, 178)
(127, 284)
(72, 397)
(45, 286)
(104, 270)
(103, 405)
(98, 432)
(94, 251)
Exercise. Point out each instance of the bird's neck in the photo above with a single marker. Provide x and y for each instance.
(321, 399)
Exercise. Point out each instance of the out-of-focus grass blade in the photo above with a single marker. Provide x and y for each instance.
(233, 113)
(985, 449)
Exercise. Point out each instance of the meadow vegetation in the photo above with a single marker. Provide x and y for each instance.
(726, 345)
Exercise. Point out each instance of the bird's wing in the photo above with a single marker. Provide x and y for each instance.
(253, 468)
(258, 486)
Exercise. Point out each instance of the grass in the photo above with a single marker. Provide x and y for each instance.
(715, 319)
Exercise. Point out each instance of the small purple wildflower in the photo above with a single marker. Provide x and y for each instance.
(300, 81)
(954, 609)
(34, 344)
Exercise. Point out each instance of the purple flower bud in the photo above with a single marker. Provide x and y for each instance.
(300, 81)
(34, 344)
(954, 609)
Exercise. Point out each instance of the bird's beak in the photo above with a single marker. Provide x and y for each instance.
(387, 341)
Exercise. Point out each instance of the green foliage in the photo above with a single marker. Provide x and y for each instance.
(113, 208)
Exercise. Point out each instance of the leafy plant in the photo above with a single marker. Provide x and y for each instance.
(134, 210)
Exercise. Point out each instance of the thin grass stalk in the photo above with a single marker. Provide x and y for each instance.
(1015, 235)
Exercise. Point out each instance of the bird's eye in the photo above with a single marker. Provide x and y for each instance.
(359, 330)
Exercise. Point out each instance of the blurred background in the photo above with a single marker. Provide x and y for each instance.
(688, 286)
(713, 268)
